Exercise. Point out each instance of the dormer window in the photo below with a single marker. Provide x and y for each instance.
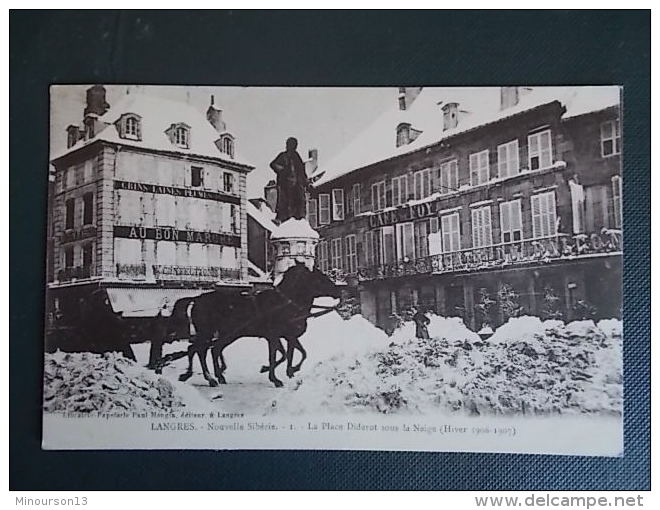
(402, 134)
(228, 145)
(129, 126)
(179, 135)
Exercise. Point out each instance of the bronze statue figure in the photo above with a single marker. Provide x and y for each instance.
(292, 183)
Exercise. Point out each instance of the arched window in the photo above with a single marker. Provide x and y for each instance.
(402, 134)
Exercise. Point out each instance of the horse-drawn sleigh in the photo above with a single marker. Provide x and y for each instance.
(212, 321)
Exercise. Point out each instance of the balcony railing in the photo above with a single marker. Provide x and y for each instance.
(74, 273)
(196, 273)
(540, 250)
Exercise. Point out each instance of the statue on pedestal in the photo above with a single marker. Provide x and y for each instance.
(292, 183)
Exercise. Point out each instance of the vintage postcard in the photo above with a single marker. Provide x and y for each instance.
(411, 268)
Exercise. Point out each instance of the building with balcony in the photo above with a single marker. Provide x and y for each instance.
(481, 203)
(148, 202)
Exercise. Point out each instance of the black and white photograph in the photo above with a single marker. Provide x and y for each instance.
(368, 268)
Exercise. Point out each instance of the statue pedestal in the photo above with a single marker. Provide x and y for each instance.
(293, 241)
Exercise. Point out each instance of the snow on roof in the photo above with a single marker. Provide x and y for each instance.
(478, 106)
(157, 116)
(263, 217)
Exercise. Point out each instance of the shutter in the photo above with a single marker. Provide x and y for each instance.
(367, 248)
(474, 178)
(513, 157)
(395, 191)
(487, 234)
(476, 228)
(434, 224)
(536, 216)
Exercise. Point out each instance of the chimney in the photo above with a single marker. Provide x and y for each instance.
(509, 96)
(449, 116)
(270, 194)
(96, 103)
(312, 162)
(214, 116)
(407, 95)
(72, 135)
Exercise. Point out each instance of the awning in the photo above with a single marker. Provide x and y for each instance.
(146, 302)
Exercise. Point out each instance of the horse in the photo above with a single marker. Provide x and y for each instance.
(273, 314)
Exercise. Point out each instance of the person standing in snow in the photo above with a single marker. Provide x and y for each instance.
(158, 334)
(292, 183)
(421, 322)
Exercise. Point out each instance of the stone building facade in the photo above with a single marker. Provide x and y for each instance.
(479, 203)
(148, 203)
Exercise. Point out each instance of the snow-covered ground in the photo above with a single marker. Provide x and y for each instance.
(527, 367)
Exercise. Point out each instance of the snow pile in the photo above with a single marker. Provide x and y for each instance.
(528, 366)
(85, 382)
(294, 228)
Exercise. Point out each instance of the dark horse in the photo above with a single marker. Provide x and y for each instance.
(280, 312)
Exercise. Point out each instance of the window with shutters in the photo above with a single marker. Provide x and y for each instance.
(399, 190)
(511, 221)
(357, 202)
(479, 169)
(422, 182)
(88, 208)
(597, 210)
(88, 254)
(388, 245)
(68, 257)
(88, 171)
(70, 177)
(324, 208)
(616, 200)
(322, 256)
(228, 182)
(378, 196)
(368, 248)
(544, 215)
(421, 239)
(336, 253)
(70, 213)
(337, 204)
(350, 246)
(610, 138)
(451, 233)
(481, 227)
(196, 176)
(449, 177)
(540, 150)
(435, 236)
(312, 215)
(405, 242)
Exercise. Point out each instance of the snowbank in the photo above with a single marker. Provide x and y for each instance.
(85, 382)
(527, 367)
